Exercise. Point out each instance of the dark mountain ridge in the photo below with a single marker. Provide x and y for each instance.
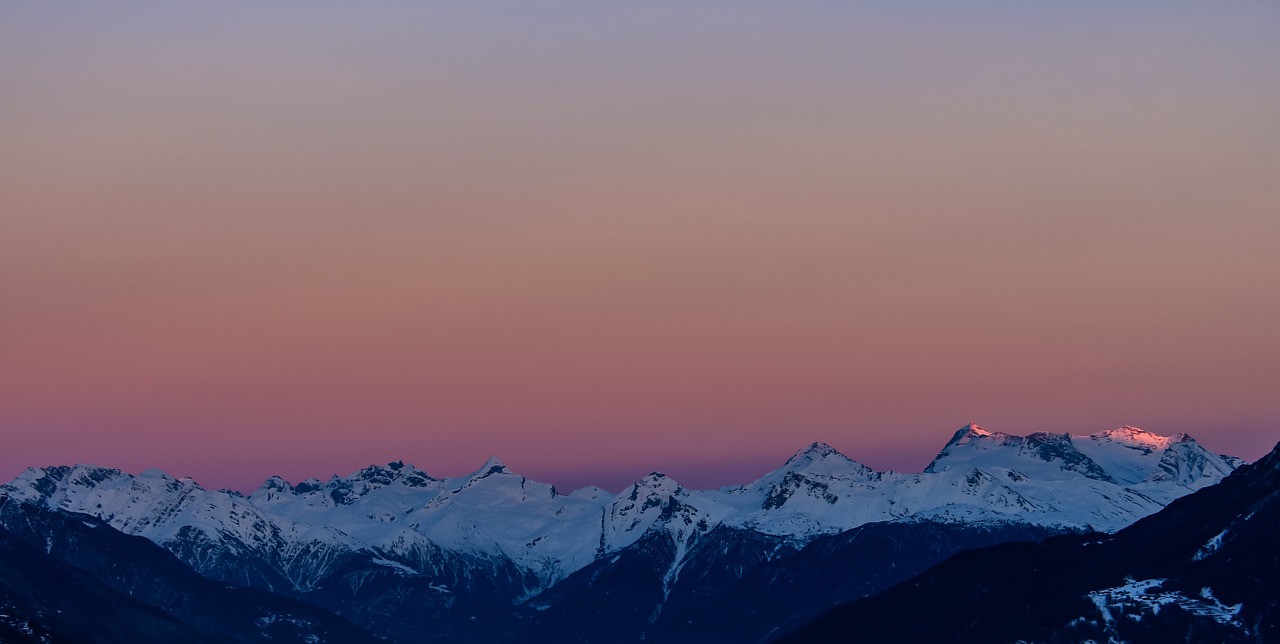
(81, 580)
(1204, 569)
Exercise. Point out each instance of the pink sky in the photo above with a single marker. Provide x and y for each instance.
(595, 240)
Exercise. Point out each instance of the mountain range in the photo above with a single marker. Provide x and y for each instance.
(1204, 569)
(395, 553)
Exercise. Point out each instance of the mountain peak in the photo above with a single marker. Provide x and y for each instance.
(1137, 438)
(815, 451)
(657, 481)
(654, 484)
(970, 433)
(492, 466)
(42, 481)
(971, 445)
(275, 484)
(821, 458)
(395, 471)
(376, 475)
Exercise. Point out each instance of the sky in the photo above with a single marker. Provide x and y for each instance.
(598, 239)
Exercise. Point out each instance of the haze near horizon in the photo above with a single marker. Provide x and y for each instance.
(239, 240)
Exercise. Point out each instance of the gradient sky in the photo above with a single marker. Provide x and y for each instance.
(597, 239)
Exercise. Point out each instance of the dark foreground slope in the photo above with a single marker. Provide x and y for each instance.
(43, 599)
(73, 578)
(741, 586)
(1204, 569)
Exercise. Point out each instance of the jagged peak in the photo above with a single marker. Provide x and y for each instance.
(91, 475)
(656, 481)
(56, 472)
(382, 474)
(378, 474)
(391, 467)
(308, 486)
(371, 470)
(91, 469)
(87, 475)
(38, 481)
(357, 484)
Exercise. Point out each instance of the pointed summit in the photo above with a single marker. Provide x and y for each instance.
(492, 466)
(821, 458)
(972, 430)
(816, 450)
(819, 465)
(970, 433)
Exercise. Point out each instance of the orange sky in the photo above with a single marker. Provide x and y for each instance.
(597, 240)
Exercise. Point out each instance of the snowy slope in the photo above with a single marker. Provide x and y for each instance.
(399, 517)
(1202, 570)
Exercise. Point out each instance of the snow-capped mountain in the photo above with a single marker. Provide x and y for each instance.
(1204, 569)
(1116, 477)
(494, 536)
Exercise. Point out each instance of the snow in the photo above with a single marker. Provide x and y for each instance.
(1211, 546)
(397, 512)
(1147, 596)
(822, 459)
(1128, 454)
